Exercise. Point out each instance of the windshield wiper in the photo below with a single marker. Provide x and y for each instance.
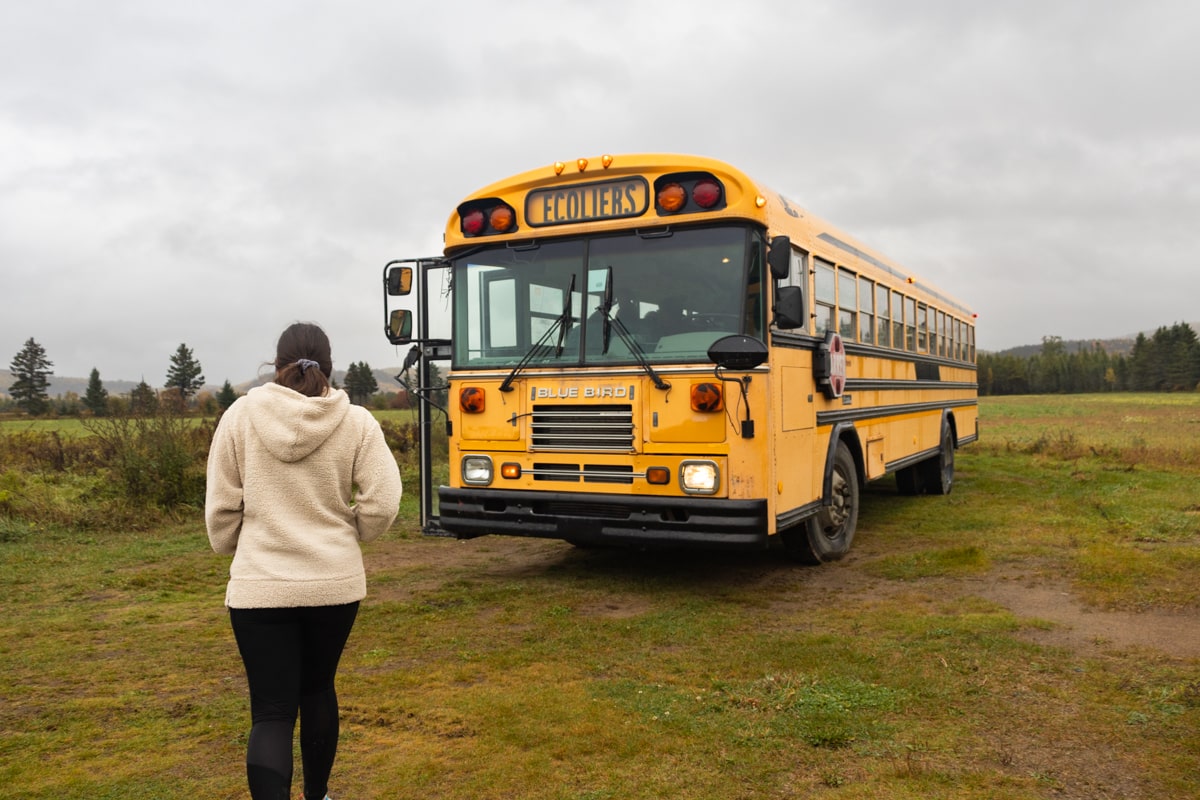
(562, 323)
(614, 323)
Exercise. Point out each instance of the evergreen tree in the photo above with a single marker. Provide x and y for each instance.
(142, 400)
(360, 383)
(31, 368)
(95, 399)
(185, 374)
(226, 396)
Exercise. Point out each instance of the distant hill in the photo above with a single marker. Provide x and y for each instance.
(60, 386)
(1122, 346)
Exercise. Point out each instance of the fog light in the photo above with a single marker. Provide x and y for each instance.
(699, 477)
(477, 470)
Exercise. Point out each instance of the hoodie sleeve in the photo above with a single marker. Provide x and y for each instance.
(378, 479)
(223, 490)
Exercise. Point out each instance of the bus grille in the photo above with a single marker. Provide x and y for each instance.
(564, 428)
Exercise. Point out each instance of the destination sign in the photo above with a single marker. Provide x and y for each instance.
(586, 202)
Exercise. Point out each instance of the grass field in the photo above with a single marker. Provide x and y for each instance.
(996, 643)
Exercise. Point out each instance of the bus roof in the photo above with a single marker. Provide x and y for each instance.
(613, 192)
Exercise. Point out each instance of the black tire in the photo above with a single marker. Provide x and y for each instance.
(827, 535)
(937, 473)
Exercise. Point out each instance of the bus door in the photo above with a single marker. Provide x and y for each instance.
(431, 343)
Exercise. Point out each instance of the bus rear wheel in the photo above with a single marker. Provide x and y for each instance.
(827, 535)
(937, 473)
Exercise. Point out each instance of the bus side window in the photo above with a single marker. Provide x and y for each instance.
(897, 321)
(825, 295)
(885, 316)
(910, 324)
(847, 305)
(922, 328)
(866, 311)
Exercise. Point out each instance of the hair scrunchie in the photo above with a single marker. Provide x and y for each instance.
(305, 364)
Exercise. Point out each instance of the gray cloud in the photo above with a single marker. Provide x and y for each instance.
(210, 173)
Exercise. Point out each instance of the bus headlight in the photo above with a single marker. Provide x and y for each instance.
(477, 470)
(699, 477)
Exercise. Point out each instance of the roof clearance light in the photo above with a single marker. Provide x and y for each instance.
(581, 163)
(606, 161)
(474, 223)
(559, 167)
(671, 197)
(501, 218)
(472, 400)
(706, 193)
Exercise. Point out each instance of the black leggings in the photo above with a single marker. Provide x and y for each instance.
(291, 657)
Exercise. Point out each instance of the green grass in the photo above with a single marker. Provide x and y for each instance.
(506, 668)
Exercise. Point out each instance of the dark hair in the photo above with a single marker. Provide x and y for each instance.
(303, 340)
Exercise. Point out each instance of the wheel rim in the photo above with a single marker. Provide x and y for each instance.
(834, 516)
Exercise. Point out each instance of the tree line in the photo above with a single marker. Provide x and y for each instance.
(1167, 361)
(32, 370)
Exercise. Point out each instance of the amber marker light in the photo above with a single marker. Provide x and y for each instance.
(760, 201)
(501, 218)
(471, 399)
(559, 167)
(671, 197)
(581, 163)
(510, 471)
(707, 397)
(659, 476)
(606, 161)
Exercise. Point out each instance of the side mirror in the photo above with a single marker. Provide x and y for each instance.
(399, 327)
(789, 307)
(779, 257)
(737, 352)
(399, 281)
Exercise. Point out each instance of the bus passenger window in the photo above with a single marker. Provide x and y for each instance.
(910, 324)
(866, 311)
(885, 317)
(826, 296)
(897, 321)
(847, 305)
(922, 328)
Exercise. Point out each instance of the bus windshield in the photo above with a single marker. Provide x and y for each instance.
(674, 291)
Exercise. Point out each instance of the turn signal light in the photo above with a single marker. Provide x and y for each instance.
(510, 471)
(658, 475)
(472, 400)
(707, 397)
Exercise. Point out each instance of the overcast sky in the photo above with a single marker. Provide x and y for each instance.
(208, 173)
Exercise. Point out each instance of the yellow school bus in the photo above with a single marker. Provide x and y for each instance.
(656, 350)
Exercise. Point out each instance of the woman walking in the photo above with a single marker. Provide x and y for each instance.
(297, 478)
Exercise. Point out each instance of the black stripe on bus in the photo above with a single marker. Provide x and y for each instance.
(827, 418)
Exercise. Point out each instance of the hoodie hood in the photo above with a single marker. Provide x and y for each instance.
(291, 425)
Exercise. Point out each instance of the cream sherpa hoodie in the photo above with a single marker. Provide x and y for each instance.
(280, 477)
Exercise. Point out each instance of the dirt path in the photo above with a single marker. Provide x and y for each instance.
(1028, 594)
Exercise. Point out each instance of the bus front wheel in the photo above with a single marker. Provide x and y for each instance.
(826, 536)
